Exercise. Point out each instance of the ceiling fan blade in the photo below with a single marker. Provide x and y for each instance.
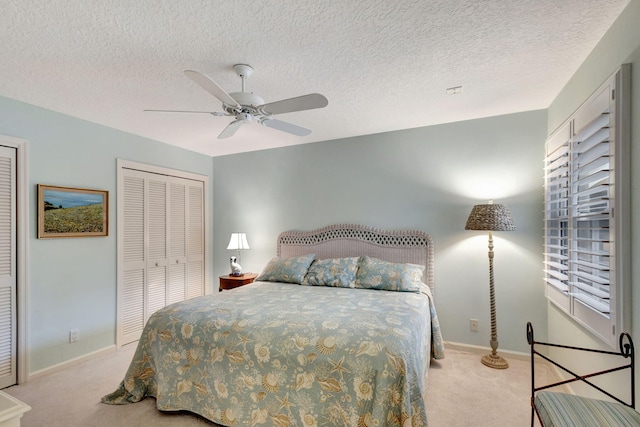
(300, 103)
(286, 127)
(212, 87)
(215, 113)
(231, 129)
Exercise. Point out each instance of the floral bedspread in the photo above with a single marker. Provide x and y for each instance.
(274, 354)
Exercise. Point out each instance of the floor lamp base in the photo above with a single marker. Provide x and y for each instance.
(494, 361)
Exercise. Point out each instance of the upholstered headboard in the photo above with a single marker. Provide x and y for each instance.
(349, 240)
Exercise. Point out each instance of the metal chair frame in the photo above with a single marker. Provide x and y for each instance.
(626, 351)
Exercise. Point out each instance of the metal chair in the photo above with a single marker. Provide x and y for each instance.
(560, 409)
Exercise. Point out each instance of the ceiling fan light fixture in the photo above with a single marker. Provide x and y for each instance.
(244, 117)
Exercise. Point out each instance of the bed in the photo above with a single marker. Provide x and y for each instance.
(338, 329)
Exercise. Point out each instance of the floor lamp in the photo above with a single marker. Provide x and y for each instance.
(491, 217)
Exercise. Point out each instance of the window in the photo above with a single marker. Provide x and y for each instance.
(587, 196)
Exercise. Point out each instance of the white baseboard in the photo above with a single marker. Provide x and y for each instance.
(485, 350)
(66, 364)
(480, 350)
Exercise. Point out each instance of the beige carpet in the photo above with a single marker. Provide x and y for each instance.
(462, 392)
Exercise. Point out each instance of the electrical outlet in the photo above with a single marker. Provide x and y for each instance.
(473, 325)
(74, 335)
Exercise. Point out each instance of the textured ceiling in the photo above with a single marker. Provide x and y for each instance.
(383, 65)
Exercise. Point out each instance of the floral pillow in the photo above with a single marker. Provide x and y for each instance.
(378, 274)
(289, 270)
(336, 272)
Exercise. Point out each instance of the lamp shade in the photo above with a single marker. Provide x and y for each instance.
(492, 217)
(238, 241)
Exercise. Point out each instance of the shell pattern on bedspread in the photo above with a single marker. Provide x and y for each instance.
(270, 354)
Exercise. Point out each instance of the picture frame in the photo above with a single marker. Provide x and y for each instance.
(72, 212)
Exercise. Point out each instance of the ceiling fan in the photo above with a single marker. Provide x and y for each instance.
(247, 107)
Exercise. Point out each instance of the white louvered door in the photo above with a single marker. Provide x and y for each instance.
(8, 280)
(195, 239)
(176, 290)
(163, 246)
(131, 256)
(156, 244)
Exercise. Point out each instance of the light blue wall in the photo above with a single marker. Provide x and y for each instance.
(72, 282)
(620, 45)
(426, 178)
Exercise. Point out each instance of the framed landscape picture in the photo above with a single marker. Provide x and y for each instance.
(72, 212)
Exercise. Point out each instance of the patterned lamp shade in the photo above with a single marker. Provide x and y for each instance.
(492, 217)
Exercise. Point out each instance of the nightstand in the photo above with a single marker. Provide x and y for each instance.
(230, 282)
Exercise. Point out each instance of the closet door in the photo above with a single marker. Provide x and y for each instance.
(8, 280)
(156, 232)
(132, 275)
(186, 240)
(162, 256)
(195, 239)
(177, 279)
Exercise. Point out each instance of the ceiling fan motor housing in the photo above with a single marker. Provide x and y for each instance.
(247, 98)
(248, 105)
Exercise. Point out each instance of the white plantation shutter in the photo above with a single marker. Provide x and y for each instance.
(557, 217)
(158, 268)
(592, 158)
(585, 211)
(8, 280)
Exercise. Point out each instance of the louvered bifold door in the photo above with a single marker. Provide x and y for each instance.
(8, 280)
(161, 250)
(176, 283)
(131, 292)
(157, 221)
(556, 248)
(591, 212)
(195, 239)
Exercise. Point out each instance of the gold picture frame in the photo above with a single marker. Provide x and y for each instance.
(72, 212)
